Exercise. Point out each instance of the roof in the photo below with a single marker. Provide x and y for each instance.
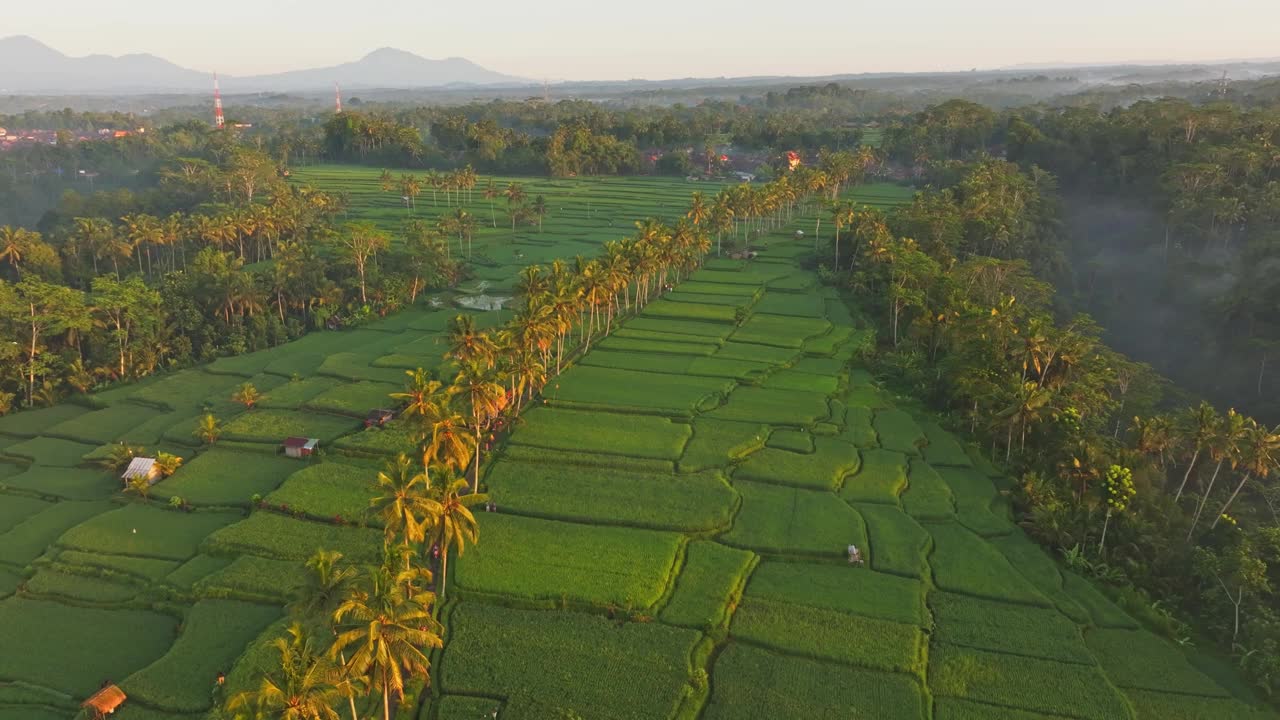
(106, 700)
(139, 467)
(301, 442)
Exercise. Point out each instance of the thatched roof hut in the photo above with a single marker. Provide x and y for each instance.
(105, 701)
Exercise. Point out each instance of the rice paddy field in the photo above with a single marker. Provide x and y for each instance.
(670, 536)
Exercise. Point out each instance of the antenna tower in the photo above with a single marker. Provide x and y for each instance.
(337, 99)
(218, 121)
(1222, 85)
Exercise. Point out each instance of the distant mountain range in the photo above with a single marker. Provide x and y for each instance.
(28, 66)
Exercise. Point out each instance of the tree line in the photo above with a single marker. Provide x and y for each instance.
(1172, 506)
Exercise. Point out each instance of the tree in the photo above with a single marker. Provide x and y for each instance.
(1229, 434)
(41, 310)
(453, 523)
(1196, 427)
(404, 505)
(383, 630)
(301, 686)
(468, 344)
(1259, 454)
(326, 585)
(208, 429)
(131, 310)
(247, 395)
(1118, 492)
(139, 485)
(485, 400)
(539, 210)
(361, 241)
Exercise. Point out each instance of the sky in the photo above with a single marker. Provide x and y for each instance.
(657, 39)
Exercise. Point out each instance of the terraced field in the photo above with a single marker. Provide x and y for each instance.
(670, 536)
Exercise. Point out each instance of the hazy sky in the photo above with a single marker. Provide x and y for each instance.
(600, 39)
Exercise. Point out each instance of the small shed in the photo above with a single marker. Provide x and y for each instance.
(105, 701)
(378, 418)
(300, 447)
(142, 467)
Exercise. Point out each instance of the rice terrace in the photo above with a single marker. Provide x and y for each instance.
(406, 388)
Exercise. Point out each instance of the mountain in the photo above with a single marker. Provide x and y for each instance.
(28, 66)
(31, 66)
(384, 68)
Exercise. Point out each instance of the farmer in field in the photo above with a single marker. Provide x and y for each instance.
(855, 555)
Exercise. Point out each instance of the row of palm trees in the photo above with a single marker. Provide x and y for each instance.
(455, 184)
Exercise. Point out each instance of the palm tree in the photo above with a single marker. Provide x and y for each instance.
(386, 628)
(1260, 453)
(469, 344)
(403, 505)
(539, 210)
(1197, 427)
(1228, 436)
(485, 398)
(698, 209)
(454, 523)
(327, 583)
(491, 193)
(208, 430)
(247, 395)
(302, 688)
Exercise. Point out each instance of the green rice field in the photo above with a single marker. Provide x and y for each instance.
(671, 531)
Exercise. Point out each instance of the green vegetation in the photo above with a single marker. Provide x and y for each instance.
(717, 443)
(1003, 627)
(710, 583)
(222, 477)
(145, 531)
(830, 635)
(840, 588)
(963, 563)
(881, 478)
(645, 437)
(1136, 659)
(326, 490)
(823, 469)
(782, 520)
(281, 537)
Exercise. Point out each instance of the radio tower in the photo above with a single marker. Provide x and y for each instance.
(218, 121)
(337, 99)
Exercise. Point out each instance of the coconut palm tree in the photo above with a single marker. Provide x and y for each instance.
(247, 395)
(383, 630)
(539, 210)
(325, 587)
(208, 429)
(469, 344)
(1196, 427)
(454, 525)
(1227, 439)
(484, 398)
(302, 687)
(1259, 454)
(403, 504)
(491, 193)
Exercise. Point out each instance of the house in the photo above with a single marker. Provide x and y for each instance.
(300, 447)
(141, 467)
(105, 701)
(378, 418)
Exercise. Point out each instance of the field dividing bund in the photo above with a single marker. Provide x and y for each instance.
(672, 527)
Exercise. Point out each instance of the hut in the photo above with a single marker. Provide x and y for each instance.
(300, 447)
(142, 467)
(105, 701)
(378, 418)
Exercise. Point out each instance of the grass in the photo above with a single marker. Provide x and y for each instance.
(943, 448)
(1044, 686)
(1002, 627)
(224, 477)
(805, 305)
(30, 423)
(830, 635)
(672, 310)
(757, 353)
(390, 439)
(185, 576)
(254, 579)
(858, 430)
(145, 531)
(103, 426)
(273, 426)
(1175, 706)
(1037, 567)
(780, 330)
(187, 390)
(783, 520)
(881, 478)
(17, 508)
(963, 563)
(137, 569)
(802, 381)
(1102, 611)
(326, 490)
(1139, 660)
(29, 540)
(659, 501)
(821, 470)
(567, 662)
(51, 452)
(355, 366)
(750, 682)
(276, 536)
(796, 441)
(674, 365)
(947, 708)
(717, 443)
(634, 345)
(580, 431)
(626, 390)
(55, 585)
(214, 633)
(775, 407)
(899, 544)
(974, 496)
(354, 399)
(710, 583)
(899, 431)
(544, 561)
(928, 496)
(695, 329)
(840, 588)
(71, 649)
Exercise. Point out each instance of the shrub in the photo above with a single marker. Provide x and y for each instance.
(751, 682)
(548, 660)
(830, 635)
(709, 584)
(544, 561)
(776, 519)
(840, 588)
(1045, 686)
(659, 501)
